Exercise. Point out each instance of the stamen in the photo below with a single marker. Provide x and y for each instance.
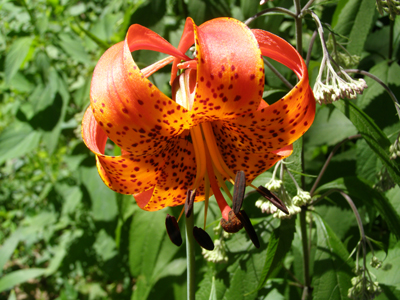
(249, 228)
(223, 206)
(206, 196)
(200, 154)
(238, 191)
(267, 194)
(190, 64)
(202, 238)
(190, 195)
(173, 230)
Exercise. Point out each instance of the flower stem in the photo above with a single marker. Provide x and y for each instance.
(190, 258)
(299, 25)
(306, 257)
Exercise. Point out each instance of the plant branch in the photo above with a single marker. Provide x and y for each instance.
(391, 94)
(277, 73)
(270, 10)
(313, 37)
(328, 160)
(299, 31)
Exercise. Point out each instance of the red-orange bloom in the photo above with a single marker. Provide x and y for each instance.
(216, 123)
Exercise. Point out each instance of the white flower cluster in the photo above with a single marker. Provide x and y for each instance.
(376, 262)
(392, 7)
(218, 255)
(292, 205)
(363, 288)
(336, 86)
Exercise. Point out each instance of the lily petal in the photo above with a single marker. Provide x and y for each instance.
(176, 178)
(135, 114)
(230, 70)
(125, 174)
(280, 124)
(252, 164)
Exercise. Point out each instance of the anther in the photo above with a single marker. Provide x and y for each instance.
(190, 195)
(233, 224)
(173, 230)
(202, 238)
(267, 194)
(238, 191)
(249, 228)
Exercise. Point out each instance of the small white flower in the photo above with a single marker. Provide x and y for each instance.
(218, 255)
(302, 198)
(274, 185)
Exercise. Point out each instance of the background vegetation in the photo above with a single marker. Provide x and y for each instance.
(65, 235)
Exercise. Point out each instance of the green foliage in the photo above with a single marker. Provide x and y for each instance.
(65, 235)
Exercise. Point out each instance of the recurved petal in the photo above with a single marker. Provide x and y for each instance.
(280, 124)
(230, 70)
(125, 174)
(252, 164)
(176, 178)
(130, 109)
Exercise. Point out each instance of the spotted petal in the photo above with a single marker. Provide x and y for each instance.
(134, 113)
(230, 70)
(176, 178)
(280, 124)
(125, 174)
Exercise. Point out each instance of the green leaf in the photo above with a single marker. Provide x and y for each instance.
(329, 128)
(12, 279)
(394, 197)
(386, 72)
(105, 246)
(278, 246)
(12, 296)
(361, 27)
(17, 140)
(375, 138)
(74, 48)
(332, 266)
(362, 190)
(150, 250)
(104, 207)
(347, 16)
(16, 56)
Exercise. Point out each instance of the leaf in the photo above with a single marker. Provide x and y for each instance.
(278, 246)
(16, 56)
(17, 140)
(145, 243)
(12, 279)
(74, 48)
(332, 266)
(375, 138)
(104, 207)
(394, 197)
(105, 246)
(386, 72)
(361, 27)
(347, 16)
(360, 189)
(329, 128)
(210, 287)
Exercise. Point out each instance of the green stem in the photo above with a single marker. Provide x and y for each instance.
(299, 32)
(306, 258)
(190, 259)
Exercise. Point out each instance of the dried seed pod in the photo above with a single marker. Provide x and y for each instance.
(267, 194)
(190, 195)
(203, 239)
(249, 228)
(173, 230)
(238, 191)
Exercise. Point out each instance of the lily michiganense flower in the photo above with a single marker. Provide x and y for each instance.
(215, 128)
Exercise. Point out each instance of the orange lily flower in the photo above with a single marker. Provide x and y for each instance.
(215, 125)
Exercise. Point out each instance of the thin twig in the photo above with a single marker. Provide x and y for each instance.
(313, 37)
(269, 10)
(391, 94)
(277, 73)
(357, 136)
